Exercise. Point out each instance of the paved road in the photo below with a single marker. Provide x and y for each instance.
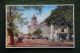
(45, 43)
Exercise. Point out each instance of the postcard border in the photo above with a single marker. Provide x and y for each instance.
(39, 5)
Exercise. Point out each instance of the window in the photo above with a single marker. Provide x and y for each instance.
(62, 29)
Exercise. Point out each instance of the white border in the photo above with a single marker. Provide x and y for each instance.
(40, 5)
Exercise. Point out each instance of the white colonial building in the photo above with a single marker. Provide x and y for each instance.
(49, 32)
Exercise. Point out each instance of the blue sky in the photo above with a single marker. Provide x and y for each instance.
(46, 11)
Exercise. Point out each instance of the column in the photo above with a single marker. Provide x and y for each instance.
(55, 35)
(51, 31)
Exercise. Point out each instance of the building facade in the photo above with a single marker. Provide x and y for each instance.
(49, 32)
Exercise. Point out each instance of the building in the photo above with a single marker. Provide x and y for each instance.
(49, 32)
(32, 27)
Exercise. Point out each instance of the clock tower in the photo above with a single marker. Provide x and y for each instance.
(33, 21)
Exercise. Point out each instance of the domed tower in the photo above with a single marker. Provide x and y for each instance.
(33, 20)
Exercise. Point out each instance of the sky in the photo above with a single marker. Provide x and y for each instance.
(46, 11)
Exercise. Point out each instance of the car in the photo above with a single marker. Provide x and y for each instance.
(33, 38)
(28, 37)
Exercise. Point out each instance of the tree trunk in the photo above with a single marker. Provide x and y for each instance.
(10, 31)
(11, 36)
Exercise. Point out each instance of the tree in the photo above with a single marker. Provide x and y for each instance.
(15, 32)
(29, 34)
(37, 32)
(21, 22)
(9, 29)
(12, 14)
(71, 31)
(62, 16)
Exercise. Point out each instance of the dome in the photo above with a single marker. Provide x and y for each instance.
(33, 17)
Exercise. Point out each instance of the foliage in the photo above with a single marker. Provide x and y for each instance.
(38, 8)
(14, 15)
(37, 32)
(21, 21)
(61, 16)
(70, 30)
(15, 33)
(7, 33)
(29, 34)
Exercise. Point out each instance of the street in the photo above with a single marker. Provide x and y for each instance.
(45, 43)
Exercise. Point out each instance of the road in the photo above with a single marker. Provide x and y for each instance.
(45, 43)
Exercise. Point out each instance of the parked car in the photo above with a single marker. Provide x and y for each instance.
(33, 38)
(45, 37)
(28, 37)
